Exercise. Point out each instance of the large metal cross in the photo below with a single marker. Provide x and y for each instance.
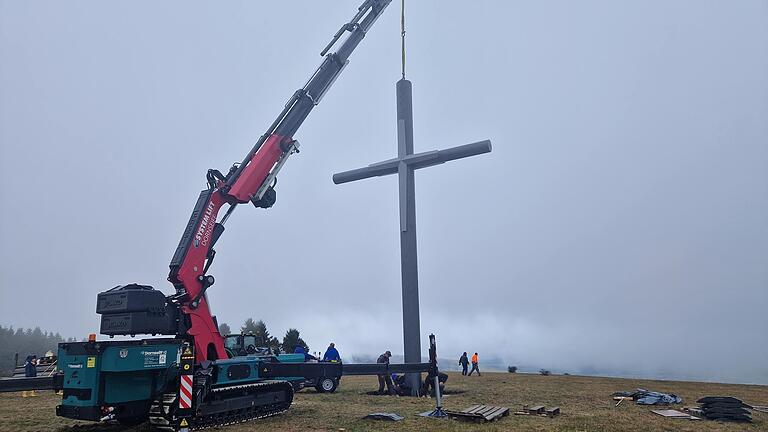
(404, 165)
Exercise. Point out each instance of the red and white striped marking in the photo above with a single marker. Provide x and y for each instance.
(185, 392)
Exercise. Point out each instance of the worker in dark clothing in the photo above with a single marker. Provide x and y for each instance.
(464, 362)
(30, 371)
(385, 378)
(475, 365)
(30, 366)
(428, 387)
(401, 386)
(332, 354)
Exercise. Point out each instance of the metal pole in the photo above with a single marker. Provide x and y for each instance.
(433, 370)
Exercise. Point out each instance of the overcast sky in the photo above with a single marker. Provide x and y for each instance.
(619, 223)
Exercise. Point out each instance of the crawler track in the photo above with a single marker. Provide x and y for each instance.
(251, 401)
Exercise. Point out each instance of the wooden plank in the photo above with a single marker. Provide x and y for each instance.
(480, 413)
(465, 416)
(463, 413)
(672, 413)
(504, 412)
(538, 409)
(495, 412)
(472, 408)
(485, 410)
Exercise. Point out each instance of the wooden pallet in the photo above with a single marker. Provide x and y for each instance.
(479, 413)
(539, 410)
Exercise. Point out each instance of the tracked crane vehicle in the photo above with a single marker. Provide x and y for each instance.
(188, 380)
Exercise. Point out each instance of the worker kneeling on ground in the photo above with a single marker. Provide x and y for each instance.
(427, 387)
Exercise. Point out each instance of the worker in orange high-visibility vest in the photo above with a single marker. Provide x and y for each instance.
(475, 366)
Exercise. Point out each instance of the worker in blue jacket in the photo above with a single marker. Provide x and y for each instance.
(30, 371)
(332, 354)
(300, 350)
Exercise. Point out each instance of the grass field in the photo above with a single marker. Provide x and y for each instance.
(585, 402)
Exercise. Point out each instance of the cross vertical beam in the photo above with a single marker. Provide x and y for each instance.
(409, 272)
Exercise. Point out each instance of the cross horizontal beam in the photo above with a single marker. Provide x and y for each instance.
(414, 161)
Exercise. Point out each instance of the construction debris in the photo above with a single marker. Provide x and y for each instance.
(675, 414)
(695, 411)
(760, 408)
(725, 408)
(539, 410)
(384, 416)
(479, 413)
(646, 397)
(621, 399)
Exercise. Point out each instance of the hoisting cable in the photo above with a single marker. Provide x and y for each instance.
(402, 33)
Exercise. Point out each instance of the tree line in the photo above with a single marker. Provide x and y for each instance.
(25, 342)
(288, 344)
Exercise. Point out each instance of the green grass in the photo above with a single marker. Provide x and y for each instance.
(585, 402)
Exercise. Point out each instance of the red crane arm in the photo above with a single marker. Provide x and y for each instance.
(252, 180)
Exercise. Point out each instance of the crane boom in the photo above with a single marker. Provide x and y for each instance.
(251, 180)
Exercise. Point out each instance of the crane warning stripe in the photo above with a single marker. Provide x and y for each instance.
(185, 392)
